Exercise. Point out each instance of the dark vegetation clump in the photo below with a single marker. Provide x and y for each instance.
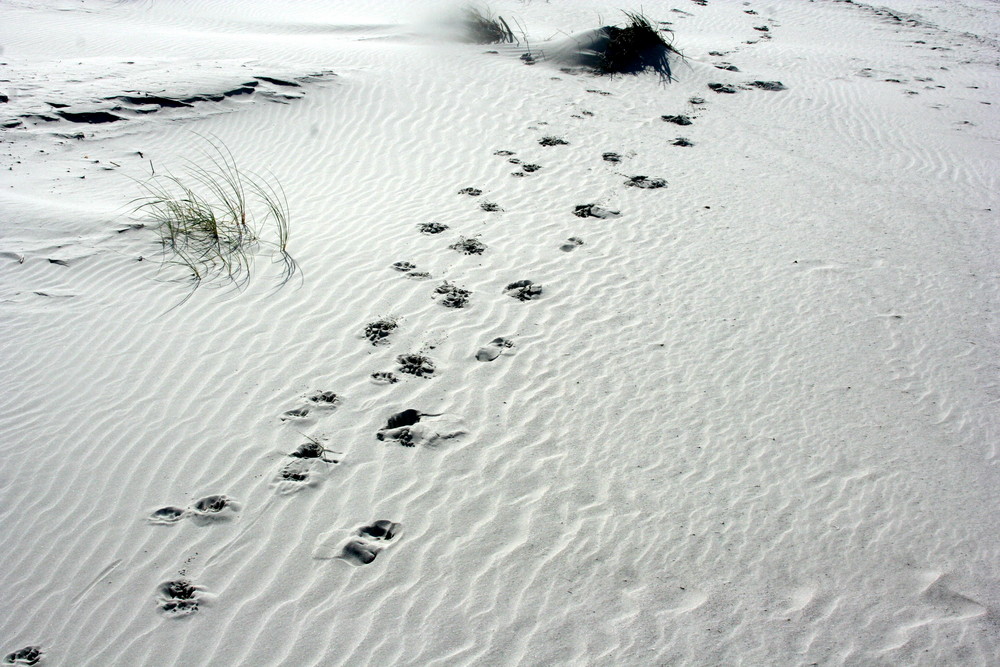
(484, 28)
(611, 157)
(472, 192)
(633, 49)
(490, 207)
(553, 141)
(531, 167)
(682, 141)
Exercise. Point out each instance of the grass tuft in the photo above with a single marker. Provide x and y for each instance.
(637, 47)
(215, 219)
(481, 27)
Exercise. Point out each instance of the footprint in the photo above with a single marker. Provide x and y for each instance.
(468, 246)
(722, 88)
(369, 541)
(677, 120)
(494, 349)
(769, 85)
(472, 192)
(309, 466)
(553, 141)
(384, 377)
(297, 413)
(320, 400)
(212, 509)
(299, 474)
(645, 182)
(611, 157)
(166, 515)
(178, 598)
(29, 655)
(594, 211)
(454, 296)
(378, 331)
(409, 428)
(314, 450)
(415, 364)
(490, 207)
(327, 398)
(431, 228)
(523, 290)
(572, 243)
(404, 267)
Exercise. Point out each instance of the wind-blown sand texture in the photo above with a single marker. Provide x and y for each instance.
(614, 399)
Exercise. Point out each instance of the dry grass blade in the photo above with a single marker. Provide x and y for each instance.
(216, 218)
(637, 47)
(482, 28)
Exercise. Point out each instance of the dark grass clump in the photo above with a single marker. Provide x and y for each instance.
(636, 48)
(484, 28)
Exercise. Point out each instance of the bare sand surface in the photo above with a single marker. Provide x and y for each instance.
(511, 409)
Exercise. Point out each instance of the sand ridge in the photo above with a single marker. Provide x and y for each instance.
(744, 417)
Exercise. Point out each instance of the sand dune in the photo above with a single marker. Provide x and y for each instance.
(514, 410)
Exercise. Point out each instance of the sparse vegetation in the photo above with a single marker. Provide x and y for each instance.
(481, 27)
(216, 218)
(635, 48)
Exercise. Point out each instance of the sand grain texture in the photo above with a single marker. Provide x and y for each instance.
(751, 420)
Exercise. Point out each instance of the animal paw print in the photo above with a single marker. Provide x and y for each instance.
(368, 541)
(178, 598)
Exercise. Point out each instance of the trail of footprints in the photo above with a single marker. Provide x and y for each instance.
(310, 462)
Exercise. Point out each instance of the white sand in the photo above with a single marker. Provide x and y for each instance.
(750, 420)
